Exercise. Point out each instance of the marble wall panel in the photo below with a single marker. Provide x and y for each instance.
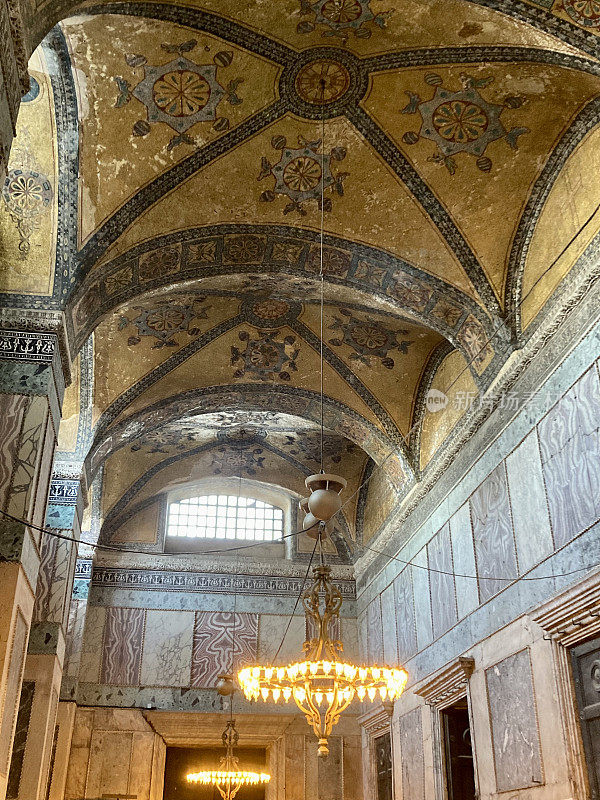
(350, 640)
(388, 620)
(330, 770)
(374, 632)
(423, 621)
(492, 533)
(513, 718)
(441, 582)
(463, 556)
(13, 687)
(12, 410)
(20, 739)
(28, 455)
(53, 580)
(224, 641)
(412, 766)
(271, 638)
(570, 453)
(362, 636)
(531, 520)
(48, 548)
(405, 615)
(122, 646)
(74, 637)
(167, 651)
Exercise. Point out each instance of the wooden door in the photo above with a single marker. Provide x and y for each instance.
(586, 674)
(383, 762)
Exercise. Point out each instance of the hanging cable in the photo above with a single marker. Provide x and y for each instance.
(321, 273)
(300, 593)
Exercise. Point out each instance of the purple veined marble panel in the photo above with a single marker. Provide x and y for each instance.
(12, 410)
(405, 615)
(374, 632)
(570, 451)
(515, 734)
(123, 639)
(441, 585)
(410, 727)
(222, 642)
(493, 535)
(48, 549)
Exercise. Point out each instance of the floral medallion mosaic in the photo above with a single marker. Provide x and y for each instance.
(370, 340)
(322, 81)
(243, 459)
(583, 12)
(303, 174)
(27, 195)
(341, 18)
(180, 93)
(265, 356)
(461, 121)
(164, 320)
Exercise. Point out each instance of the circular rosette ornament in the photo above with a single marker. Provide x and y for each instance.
(26, 193)
(302, 174)
(584, 12)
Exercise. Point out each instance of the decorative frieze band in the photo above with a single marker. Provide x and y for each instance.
(206, 582)
(449, 685)
(28, 346)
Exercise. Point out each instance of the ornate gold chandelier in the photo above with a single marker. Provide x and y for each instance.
(229, 778)
(323, 685)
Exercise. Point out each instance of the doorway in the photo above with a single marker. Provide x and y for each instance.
(585, 661)
(458, 751)
(182, 760)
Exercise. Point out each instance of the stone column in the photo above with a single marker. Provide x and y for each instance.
(31, 393)
(32, 758)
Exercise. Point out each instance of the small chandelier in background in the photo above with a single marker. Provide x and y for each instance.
(229, 779)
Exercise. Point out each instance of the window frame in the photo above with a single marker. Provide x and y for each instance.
(273, 495)
(225, 510)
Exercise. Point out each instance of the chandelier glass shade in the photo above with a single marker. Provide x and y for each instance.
(229, 779)
(322, 685)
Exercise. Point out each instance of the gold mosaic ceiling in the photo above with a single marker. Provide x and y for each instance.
(447, 140)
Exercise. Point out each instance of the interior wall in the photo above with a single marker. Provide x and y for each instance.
(159, 631)
(518, 526)
(121, 752)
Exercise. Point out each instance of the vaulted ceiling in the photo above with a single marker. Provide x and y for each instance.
(454, 144)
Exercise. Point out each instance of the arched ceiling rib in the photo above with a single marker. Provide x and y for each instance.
(458, 187)
(446, 127)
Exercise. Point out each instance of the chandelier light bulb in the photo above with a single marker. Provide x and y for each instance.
(229, 778)
(323, 685)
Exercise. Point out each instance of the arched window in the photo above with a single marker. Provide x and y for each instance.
(225, 516)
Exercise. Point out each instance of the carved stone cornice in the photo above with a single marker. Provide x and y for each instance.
(574, 615)
(378, 719)
(449, 684)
